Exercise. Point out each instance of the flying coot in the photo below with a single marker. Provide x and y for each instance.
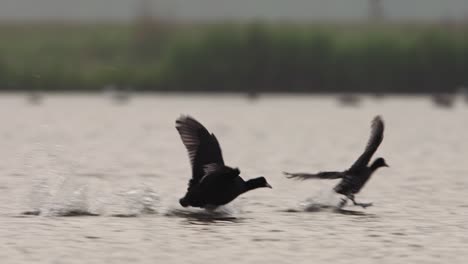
(212, 183)
(354, 178)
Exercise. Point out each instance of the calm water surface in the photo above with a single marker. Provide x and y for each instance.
(125, 162)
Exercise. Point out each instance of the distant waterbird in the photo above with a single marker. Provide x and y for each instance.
(464, 93)
(118, 95)
(253, 96)
(444, 100)
(349, 100)
(213, 183)
(354, 178)
(34, 98)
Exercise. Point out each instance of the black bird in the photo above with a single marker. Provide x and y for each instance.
(213, 183)
(354, 178)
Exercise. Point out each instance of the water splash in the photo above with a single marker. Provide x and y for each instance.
(138, 201)
(61, 202)
(326, 200)
(70, 200)
(54, 191)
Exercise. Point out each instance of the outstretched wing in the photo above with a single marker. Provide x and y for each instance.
(376, 137)
(330, 175)
(203, 148)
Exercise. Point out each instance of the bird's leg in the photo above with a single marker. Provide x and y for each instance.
(363, 205)
(342, 203)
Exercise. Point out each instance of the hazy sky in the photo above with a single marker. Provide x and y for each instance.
(215, 9)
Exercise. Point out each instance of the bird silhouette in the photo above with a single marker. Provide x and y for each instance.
(212, 183)
(354, 178)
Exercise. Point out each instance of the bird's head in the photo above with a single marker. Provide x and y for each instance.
(379, 162)
(259, 182)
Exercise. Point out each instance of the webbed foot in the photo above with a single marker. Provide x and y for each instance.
(342, 203)
(363, 205)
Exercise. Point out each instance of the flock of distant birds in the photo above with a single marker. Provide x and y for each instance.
(441, 100)
(122, 96)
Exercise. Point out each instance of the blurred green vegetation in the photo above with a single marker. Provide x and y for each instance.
(234, 57)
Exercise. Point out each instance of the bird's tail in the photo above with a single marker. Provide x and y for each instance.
(183, 201)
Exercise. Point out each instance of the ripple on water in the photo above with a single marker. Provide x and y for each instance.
(427, 202)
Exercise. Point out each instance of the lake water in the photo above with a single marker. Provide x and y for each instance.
(124, 162)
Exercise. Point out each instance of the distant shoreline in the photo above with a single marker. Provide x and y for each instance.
(240, 58)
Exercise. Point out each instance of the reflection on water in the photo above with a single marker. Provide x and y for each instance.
(123, 169)
(204, 216)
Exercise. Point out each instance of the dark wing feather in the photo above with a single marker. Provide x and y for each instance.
(214, 170)
(376, 137)
(321, 175)
(203, 148)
